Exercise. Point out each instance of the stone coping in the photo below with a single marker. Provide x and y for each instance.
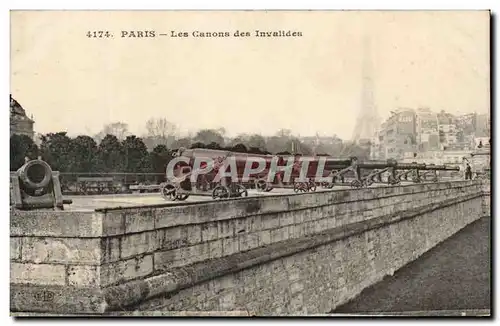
(116, 221)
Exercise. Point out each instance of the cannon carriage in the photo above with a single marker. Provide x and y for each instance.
(391, 172)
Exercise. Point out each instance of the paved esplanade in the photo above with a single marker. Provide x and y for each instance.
(455, 275)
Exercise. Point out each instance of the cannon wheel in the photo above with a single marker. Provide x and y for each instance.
(300, 187)
(240, 191)
(261, 185)
(220, 192)
(169, 191)
(356, 184)
(312, 186)
(101, 187)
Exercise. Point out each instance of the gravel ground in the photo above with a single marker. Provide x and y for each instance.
(454, 275)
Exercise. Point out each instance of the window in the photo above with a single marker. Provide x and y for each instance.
(406, 119)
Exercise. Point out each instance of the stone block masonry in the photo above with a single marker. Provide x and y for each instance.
(283, 254)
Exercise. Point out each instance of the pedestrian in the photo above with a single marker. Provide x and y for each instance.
(468, 172)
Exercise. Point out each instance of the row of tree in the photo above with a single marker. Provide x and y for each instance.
(116, 150)
(84, 154)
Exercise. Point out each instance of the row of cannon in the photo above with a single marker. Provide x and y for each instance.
(36, 186)
(187, 179)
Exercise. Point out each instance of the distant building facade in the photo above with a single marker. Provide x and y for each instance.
(400, 134)
(482, 125)
(20, 123)
(421, 134)
(427, 130)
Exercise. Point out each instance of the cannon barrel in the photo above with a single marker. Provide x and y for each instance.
(338, 161)
(334, 163)
(410, 166)
(35, 174)
(377, 164)
(432, 167)
(35, 186)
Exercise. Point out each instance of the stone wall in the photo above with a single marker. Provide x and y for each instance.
(304, 253)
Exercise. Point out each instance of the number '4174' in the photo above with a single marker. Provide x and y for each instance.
(98, 34)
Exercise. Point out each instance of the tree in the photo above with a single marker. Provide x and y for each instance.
(55, 149)
(322, 149)
(213, 145)
(255, 150)
(257, 141)
(240, 139)
(118, 129)
(111, 155)
(239, 148)
(160, 127)
(136, 155)
(21, 146)
(160, 156)
(161, 131)
(221, 131)
(300, 147)
(208, 136)
(197, 145)
(277, 144)
(182, 142)
(284, 133)
(83, 154)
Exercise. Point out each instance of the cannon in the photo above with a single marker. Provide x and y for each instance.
(188, 181)
(396, 172)
(35, 186)
(429, 173)
(182, 187)
(196, 170)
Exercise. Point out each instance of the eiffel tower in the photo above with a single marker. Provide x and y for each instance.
(368, 120)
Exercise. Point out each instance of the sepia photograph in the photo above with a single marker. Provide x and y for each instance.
(250, 163)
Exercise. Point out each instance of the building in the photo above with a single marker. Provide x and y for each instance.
(427, 130)
(20, 124)
(400, 134)
(448, 135)
(482, 126)
(466, 123)
(410, 133)
(378, 145)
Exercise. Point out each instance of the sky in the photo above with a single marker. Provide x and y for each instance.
(309, 84)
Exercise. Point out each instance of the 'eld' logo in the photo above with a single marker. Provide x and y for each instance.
(45, 296)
